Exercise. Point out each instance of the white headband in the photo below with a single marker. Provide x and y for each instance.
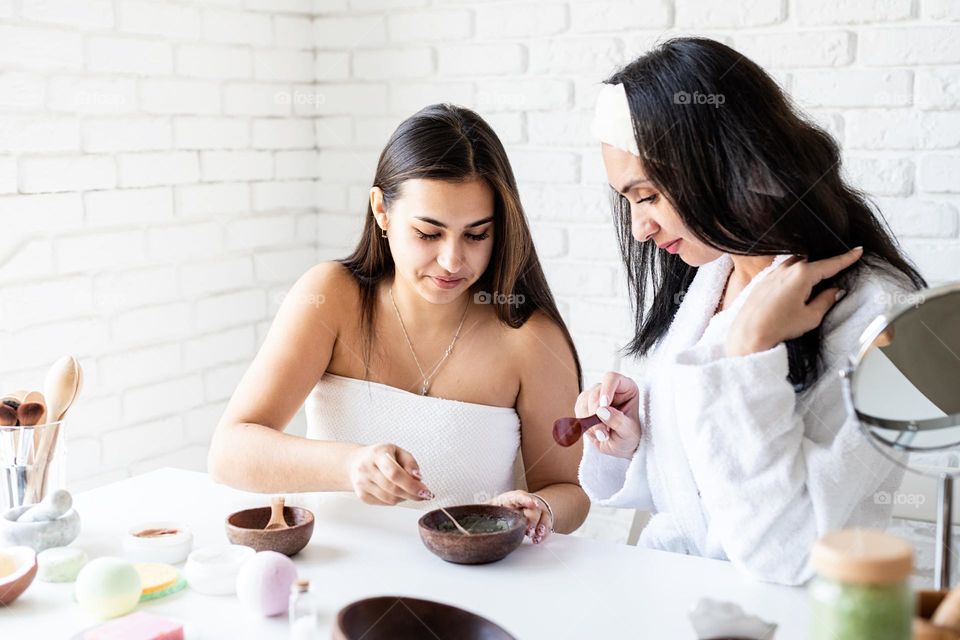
(611, 119)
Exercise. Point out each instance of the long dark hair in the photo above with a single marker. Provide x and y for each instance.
(747, 173)
(447, 142)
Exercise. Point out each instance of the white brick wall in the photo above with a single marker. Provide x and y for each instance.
(883, 76)
(168, 168)
(155, 191)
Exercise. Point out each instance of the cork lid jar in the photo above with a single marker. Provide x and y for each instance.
(862, 556)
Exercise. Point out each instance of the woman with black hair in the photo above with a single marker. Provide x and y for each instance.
(753, 269)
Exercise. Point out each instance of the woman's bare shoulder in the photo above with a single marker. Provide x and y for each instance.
(332, 280)
(539, 342)
(328, 288)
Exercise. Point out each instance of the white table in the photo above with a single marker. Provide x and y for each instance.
(569, 588)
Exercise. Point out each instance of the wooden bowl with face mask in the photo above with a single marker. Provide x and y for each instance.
(494, 533)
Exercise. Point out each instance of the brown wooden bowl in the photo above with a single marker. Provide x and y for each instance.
(401, 618)
(495, 532)
(246, 527)
(923, 629)
(13, 585)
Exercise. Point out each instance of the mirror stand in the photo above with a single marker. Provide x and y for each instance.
(941, 576)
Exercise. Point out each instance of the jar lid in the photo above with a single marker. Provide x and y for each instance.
(862, 556)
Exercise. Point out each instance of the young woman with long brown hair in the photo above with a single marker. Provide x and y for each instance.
(430, 357)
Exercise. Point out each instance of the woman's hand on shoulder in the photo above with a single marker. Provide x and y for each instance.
(779, 308)
(616, 401)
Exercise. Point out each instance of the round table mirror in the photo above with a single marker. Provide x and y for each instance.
(903, 385)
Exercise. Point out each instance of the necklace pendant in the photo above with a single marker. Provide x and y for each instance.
(424, 387)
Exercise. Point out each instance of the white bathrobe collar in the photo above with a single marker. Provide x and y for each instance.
(692, 318)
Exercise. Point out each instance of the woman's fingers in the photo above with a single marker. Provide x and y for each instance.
(372, 493)
(542, 528)
(613, 419)
(523, 502)
(616, 389)
(398, 481)
(582, 408)
(409, 463)
(824, 301)
(591, 435)
(830, 267)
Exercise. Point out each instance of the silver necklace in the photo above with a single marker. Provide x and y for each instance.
(427, 378)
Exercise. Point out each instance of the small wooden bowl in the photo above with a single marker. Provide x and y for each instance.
(441, 537)
(923, 629)
(246, 527)
(401, 618)
(13, 585)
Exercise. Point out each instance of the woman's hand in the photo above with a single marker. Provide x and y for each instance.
(779, 308)
(616, 401)
(385, 474)
(539, 521)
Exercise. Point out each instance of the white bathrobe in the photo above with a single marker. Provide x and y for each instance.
(733, 463)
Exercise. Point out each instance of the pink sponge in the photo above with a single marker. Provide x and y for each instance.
(137, 626)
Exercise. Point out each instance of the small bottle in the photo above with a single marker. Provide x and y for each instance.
(304, 612)
(861, 589)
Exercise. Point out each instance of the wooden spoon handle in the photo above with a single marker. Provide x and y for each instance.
(276, 514)
(589, 421)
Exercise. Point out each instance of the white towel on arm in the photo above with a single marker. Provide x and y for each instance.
(732, 462)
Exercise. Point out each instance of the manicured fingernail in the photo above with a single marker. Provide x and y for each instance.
(603, 413)
(601, 435)
(858, 249)
(540, 531)
(416, 474)
(426, 495)
(604, 400)
(840, 295)
(530, 532)
(536, 540)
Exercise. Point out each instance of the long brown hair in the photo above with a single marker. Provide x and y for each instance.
(447, 142)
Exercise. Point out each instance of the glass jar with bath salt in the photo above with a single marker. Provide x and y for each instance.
(861, 589)
(304, 612)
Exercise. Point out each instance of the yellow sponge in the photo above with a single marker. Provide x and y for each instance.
(155, 576)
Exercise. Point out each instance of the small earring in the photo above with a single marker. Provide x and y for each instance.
(383, 232)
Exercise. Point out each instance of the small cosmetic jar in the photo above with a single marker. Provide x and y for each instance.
(164, 542)
(213, 570)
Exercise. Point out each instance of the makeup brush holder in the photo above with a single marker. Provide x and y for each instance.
(32, 463)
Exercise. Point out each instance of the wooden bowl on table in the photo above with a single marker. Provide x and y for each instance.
(494, 533)
(401, 618)
(923, 628)
(246, 528)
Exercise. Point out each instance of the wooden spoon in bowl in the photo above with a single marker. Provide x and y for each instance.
(456, 524)
(277, 520)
